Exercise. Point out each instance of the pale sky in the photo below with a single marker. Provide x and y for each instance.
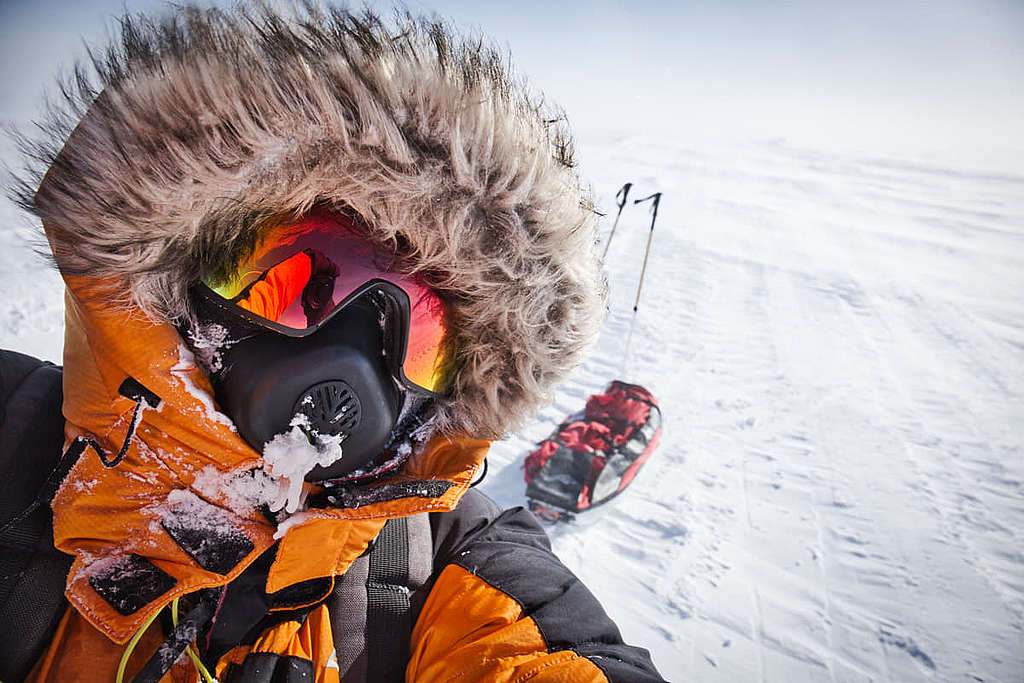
(940, 74)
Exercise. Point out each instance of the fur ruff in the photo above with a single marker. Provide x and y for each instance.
(202, 128)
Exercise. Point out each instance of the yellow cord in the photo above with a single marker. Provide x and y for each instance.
(204, 673)
(131, 646)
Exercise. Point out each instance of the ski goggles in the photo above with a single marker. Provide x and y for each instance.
(301, 275)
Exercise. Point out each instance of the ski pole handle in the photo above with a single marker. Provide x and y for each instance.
(624, 193)
(654, 208)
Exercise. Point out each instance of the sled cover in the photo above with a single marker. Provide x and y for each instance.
(594, 454)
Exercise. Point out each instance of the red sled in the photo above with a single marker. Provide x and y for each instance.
(595, 454)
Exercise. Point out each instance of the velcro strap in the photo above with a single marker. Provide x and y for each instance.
(205, 532)
(130, 582)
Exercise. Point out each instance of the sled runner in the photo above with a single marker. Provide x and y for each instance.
(594, 454)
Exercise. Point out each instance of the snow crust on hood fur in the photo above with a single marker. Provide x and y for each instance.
(198, 130)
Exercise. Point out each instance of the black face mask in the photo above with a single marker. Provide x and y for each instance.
(339, 377)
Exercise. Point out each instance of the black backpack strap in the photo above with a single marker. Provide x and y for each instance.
(375, 604)
(32, 571)
(347, 607)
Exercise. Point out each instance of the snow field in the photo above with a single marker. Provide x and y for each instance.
(32, 305)
(837, 343)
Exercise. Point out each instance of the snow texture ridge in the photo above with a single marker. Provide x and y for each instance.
(242, 490)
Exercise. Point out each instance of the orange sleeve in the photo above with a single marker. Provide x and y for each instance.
(504, 608)
(466, 626)
(272, 295)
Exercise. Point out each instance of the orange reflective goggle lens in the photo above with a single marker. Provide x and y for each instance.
(300, 275)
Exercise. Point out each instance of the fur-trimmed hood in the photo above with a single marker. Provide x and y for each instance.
(205, 127)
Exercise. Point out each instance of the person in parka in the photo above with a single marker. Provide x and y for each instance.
(229, 500)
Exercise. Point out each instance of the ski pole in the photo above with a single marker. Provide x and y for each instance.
(624, 191)
(654, 216)
(629, 343)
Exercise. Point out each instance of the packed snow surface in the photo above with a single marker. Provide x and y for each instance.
(837, 344)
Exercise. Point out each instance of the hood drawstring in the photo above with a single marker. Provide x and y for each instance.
(481, 474)
(130, 388)
(133, 389)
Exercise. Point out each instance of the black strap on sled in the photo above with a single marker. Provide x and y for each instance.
(32, 571)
